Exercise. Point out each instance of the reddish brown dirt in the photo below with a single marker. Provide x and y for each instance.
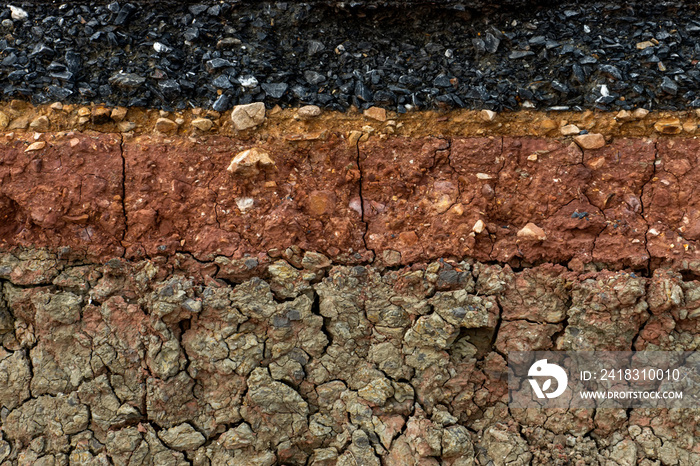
(67, 194)
(587, 202)
(180, 196)
(628, 204)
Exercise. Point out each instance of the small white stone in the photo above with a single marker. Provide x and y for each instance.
(248, 81)
(484, 176)
(17, 13)
(245, 203)
(356, 205)
(160, 48)
(487, 115)
(478, 226)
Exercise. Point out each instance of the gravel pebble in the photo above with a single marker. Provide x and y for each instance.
(248, 116)
(487, 115)
(669, 86)
(309, 111)
(668, 126)
(35, 146)
(202, 124)
(375, 113)
(118, 114)
(249, 162)
(590, 141)
(570, 130)
(17, 13)
(640, 113)
(40, 124)
(221, 104)
(532, 231)
(166, 125)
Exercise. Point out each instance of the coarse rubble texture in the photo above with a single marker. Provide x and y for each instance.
(175, 361)
(175, 55)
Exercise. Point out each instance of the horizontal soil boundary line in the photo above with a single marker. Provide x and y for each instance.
(630, 203)
(311, 122)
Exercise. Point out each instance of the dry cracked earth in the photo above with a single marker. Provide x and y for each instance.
(300, 286)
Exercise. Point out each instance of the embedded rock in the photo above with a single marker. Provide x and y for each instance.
(590, 141)
(248, 116)
(202, 124)
(40, 125)
(309, 111)
(249, 162)
(532, 231)
(166, 125)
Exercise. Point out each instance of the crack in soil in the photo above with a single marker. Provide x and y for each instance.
(125, 231)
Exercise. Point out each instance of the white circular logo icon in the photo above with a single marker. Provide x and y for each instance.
(542, 368)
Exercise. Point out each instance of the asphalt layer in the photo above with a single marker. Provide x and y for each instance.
(217, 55)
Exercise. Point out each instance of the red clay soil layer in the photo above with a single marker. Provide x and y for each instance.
(393, 199)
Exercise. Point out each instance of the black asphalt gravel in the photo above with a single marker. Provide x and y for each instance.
(216, 55)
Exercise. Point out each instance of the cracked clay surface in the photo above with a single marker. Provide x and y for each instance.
(176, 361)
